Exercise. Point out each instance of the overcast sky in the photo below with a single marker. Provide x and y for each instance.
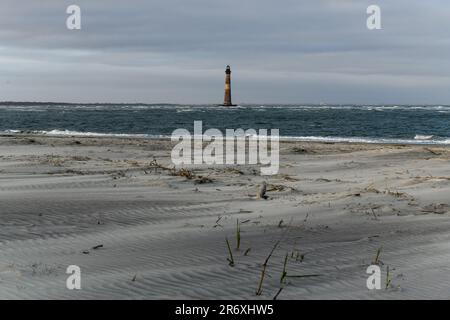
(280, 51)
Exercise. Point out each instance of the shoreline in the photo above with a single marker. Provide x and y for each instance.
(282, 139)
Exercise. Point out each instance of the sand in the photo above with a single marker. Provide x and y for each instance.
(161, 234)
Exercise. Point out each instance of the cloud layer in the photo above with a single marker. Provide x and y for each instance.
(287, 51)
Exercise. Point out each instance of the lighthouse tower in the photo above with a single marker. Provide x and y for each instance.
(227, 99)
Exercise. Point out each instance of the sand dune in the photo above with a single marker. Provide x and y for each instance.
(331, 207)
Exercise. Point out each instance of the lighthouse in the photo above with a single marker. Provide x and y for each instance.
(227, 99)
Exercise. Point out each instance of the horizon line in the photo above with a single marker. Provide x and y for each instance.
(6, 102)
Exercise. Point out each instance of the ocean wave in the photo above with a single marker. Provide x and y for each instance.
(57, 132)
(10, 131)
(417, 140)
(368, 140)
(423, 137)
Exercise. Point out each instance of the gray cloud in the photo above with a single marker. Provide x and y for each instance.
(286, 51)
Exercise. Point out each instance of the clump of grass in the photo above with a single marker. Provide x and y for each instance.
(284, 272)
(284, 275)
(188, 174)
(396, 194)
(372, 190)
(183, 172)
(217, 222)
(377, 256)
(80, 158)
(278, 293)
(235, 171)
(280, 224)
(238, 235)
(263, 271)
(388, 278)
(230, 258)
(276, 187)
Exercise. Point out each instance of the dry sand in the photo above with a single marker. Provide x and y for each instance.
(331, 207)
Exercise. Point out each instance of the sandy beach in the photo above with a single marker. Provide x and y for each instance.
(141, 230)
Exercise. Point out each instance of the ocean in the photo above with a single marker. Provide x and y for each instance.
(332, 123)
